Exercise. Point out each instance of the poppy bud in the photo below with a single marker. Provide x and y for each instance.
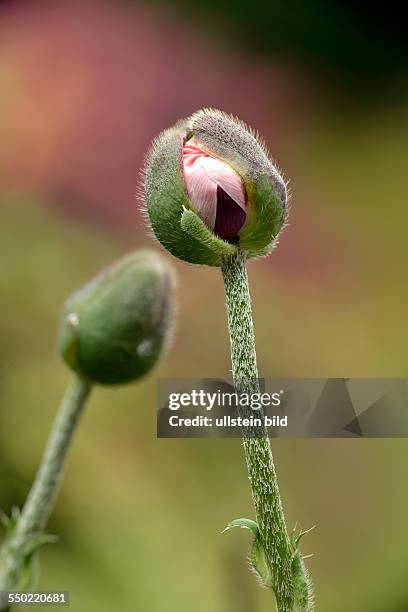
(215, 167)
(114, 329)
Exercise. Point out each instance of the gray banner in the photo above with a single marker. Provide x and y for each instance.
(294, 408)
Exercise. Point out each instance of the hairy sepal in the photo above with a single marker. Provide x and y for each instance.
(166, 198)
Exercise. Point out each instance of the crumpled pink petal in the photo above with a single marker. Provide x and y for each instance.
(202, 176)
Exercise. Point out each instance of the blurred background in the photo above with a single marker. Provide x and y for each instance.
(84, 87)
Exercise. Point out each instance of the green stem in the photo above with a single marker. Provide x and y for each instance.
(40, 501)
(277, 546)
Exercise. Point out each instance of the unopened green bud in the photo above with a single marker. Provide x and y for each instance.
(114, 329)
(210, 188)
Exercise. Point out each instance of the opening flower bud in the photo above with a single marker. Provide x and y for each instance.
(214, 166)
(114, 329)
(215, 190)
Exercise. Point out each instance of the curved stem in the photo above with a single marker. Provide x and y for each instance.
(40, 501)
(261, 471)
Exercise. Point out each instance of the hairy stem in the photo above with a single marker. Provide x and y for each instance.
(261, 471)
(40, 501)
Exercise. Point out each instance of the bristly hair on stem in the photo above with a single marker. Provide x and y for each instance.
(275, 557)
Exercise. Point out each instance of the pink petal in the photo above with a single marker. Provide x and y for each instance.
(224, 176)
(201, 191)
(203, 174)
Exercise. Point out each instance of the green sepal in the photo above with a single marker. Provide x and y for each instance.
(265, 220)
(233, 142)
(114, 328)
(197, 229)
(166, 198)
